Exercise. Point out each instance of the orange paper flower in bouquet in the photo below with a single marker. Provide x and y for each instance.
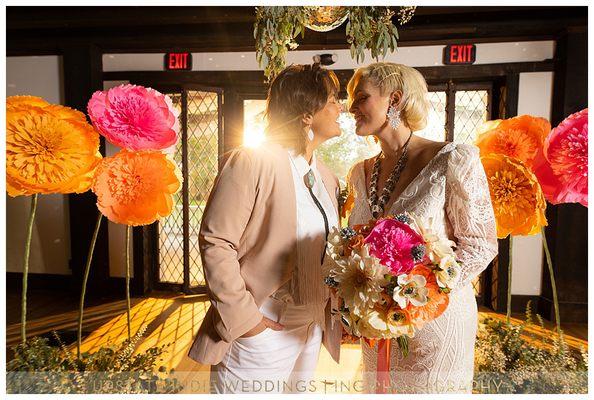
(518, 201)
(136, 188)
(49, 148)
(348, 205)
(437, 300)
(520, 137)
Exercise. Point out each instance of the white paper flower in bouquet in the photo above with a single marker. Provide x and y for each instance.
(334, 242)
(386, 324)
(361, 280)
(436, 247)
(411, 289)
(448, 273)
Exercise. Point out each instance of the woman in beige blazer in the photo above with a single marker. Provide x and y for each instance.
(262, 241)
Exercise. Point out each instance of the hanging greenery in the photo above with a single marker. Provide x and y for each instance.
(368, 28)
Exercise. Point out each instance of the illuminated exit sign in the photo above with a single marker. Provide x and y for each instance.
(459, 54)
(178, 61)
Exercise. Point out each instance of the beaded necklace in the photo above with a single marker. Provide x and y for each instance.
(377, 204)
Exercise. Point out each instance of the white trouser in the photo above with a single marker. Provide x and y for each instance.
(273, 361)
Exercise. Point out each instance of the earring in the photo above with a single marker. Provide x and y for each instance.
(310, 135)
(394, 117)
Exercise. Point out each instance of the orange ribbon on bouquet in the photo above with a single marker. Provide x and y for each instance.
(383, 364)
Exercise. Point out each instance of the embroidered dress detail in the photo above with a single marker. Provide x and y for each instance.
(452, 193)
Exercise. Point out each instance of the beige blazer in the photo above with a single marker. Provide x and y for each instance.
(248, 244)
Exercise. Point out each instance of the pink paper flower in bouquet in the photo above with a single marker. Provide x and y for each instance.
(394, 243)
(135, 117)
(563, 171)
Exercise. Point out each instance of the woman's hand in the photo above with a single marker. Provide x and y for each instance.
(265, 323)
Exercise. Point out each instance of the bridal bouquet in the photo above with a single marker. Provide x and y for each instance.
(391, 275)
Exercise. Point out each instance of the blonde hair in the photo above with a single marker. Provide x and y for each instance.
(390, 77)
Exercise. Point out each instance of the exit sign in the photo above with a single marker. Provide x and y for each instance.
(178, 61)
(459, 54)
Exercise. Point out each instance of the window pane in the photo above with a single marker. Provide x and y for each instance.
(436, 119)
(471, 112)
(253, 122)
(342, 152)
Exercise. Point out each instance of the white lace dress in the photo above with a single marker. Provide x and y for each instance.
(453, 190)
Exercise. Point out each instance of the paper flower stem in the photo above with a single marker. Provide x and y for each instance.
(84, 283)
(509, 281)
(26, 267)
(128, 229)
(553, 285)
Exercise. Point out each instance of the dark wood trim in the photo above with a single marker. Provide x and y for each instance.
(500, 304)
(82, 69)
(185, 193)
(568, 311)
(450, 111)
(256, 78)
(117, 286)
(220, 127)
(153, 254)
(519, 302)
(140, 275)
(233, 115)
(113, 286)
(513, 89)
(567, 230)
(36, 281)
(139, 29)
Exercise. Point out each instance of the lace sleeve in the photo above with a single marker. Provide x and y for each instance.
(470, 212)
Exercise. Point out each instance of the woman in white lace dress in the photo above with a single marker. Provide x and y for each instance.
(439, 182)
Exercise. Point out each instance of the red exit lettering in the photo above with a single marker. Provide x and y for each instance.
(460, 54)
(174, 61)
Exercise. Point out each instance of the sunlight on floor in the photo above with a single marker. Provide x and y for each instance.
(173, 321)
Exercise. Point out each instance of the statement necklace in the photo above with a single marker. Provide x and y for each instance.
(377, 204)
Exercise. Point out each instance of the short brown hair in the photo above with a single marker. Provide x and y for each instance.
(296, 91)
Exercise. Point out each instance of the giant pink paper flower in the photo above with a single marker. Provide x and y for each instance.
(135, 117)
(391, 241)
(563, 171)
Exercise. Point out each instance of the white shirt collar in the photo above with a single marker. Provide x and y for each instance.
(301, 163)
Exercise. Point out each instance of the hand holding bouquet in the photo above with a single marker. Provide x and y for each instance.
(392, 276)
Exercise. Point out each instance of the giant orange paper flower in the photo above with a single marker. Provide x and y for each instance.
(49, 148)
(15, 103)
(520, 137)
(518, 201)
(136, 188)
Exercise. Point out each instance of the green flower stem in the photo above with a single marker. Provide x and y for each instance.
(26, 268)
(84, 283)
(553, 285)
(128, 229)
(509, 281)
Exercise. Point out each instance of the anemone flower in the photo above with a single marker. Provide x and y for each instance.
(437, 299)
